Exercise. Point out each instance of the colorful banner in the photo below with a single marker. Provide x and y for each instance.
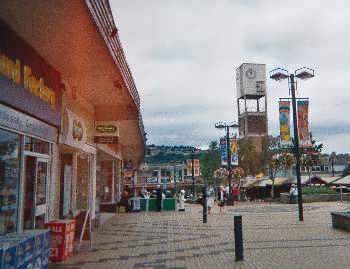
(303, 124)
(196, 167)
(234, 151)
(284, 111)
(223, 151)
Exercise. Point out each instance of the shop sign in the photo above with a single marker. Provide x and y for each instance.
(106, 139)
(27, 82)
(106, 128)
(106, 132)
(152, 180)
(18, 121)
(12, 69)
(73, 130)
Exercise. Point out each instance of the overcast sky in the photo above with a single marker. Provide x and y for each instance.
(183, 54)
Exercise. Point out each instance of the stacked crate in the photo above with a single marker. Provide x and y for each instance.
(29, 249)
(62, 239)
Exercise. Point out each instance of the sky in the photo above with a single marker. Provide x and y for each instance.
(183, 55)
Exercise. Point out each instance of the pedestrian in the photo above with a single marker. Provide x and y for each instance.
(235, 193)
(182, 201)
(293, 193)
(221, 199)
(210, 198)
(159, 198)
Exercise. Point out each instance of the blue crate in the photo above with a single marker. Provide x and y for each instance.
(38, 244)
(45, 259)
(27, 265)
(1, 252)
(9, 258)
(38, 262)
(25, 246)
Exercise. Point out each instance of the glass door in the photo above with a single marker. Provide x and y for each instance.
(40, 192)
(35, 201)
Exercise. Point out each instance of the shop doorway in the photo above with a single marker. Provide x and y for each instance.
(35, 186)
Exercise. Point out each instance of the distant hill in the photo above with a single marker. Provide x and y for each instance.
(164, 154)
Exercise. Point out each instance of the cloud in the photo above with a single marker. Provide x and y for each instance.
(183, 55)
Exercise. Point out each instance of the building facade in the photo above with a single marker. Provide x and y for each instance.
(69, 112)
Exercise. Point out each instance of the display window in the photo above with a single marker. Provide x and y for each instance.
(9, 180)
(83, 167)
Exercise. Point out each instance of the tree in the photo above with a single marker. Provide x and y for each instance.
(346, 171)
(311, 156)
(210, 161)
(275, 159)
(247, 156)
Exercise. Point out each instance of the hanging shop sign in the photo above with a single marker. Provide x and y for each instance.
(27, 82)
(73, 130)
(284, 118)
(303, 123)
(106, 132)
(106, 139)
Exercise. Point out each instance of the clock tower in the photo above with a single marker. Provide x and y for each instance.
(251, 102)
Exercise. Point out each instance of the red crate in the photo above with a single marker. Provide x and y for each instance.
(62, 239)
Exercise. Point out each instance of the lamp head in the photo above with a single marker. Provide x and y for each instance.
(279, 74)
(220, 125)
(304, 73)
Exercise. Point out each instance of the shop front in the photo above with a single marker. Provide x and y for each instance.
(108, 166)
(77, 163)
(30, 103)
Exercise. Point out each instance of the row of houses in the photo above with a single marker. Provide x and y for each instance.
(70, 123)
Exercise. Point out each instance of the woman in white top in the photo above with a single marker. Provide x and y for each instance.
(210, 199)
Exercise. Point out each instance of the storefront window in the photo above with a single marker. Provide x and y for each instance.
(35, 145)
(82, 181)
(41, 183)
(104, 176)
(9, 180)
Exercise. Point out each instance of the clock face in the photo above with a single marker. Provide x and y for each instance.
(250, 73)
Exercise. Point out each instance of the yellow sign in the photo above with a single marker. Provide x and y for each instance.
(12, 70)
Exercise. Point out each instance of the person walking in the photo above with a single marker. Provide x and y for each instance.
(182, 201)
(159, 198)
(210, 199)
(222, 199)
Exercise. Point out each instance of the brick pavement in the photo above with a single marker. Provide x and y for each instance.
(273, 238)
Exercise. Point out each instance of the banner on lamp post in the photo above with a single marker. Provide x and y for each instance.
(303, 124)
(284, 119)
(234, 151)
(223, 151)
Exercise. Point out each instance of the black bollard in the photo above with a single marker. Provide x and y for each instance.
(238, 238)
(204, 202)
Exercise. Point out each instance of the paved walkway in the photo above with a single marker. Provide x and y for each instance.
(273, 238)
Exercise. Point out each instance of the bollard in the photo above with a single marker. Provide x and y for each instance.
(204, 202)
(238, 237)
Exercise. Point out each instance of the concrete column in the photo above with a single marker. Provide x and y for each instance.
(53, 195)
(74, 181)
(113, 180)
(92, 185)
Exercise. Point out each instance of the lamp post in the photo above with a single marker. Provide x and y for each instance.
(221, 126)
(279, 74)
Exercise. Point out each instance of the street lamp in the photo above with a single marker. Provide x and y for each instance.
(303, 73)
(221, 126)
